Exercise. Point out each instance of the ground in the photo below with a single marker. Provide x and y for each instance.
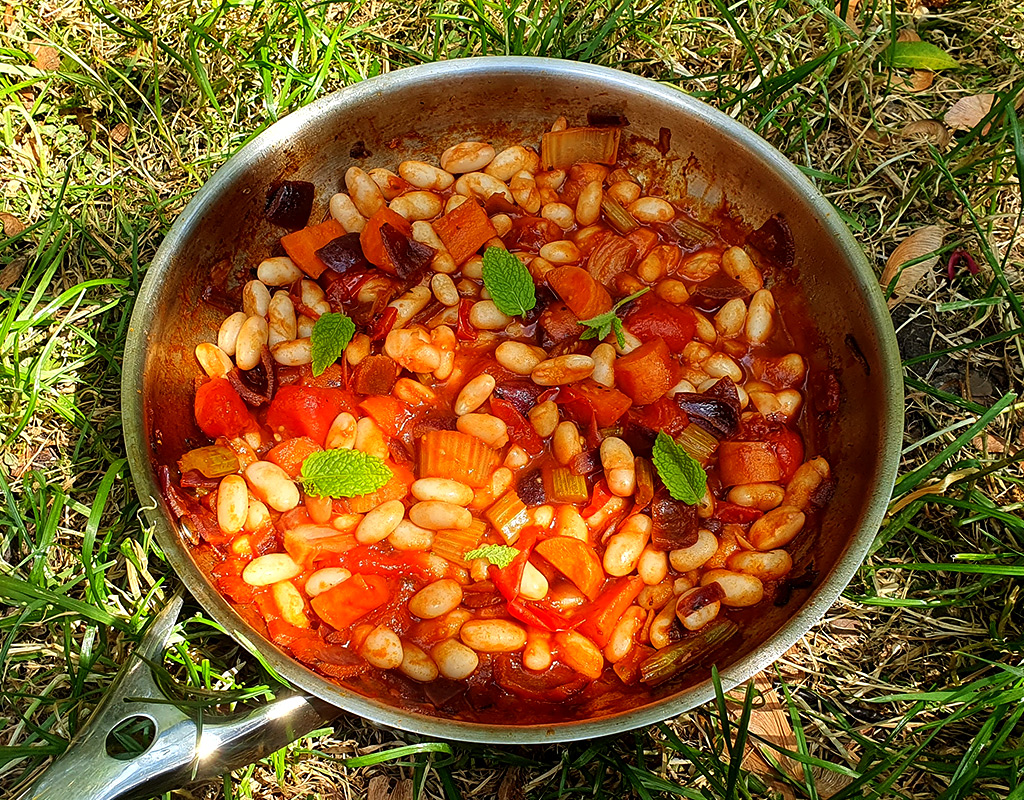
(114, 114)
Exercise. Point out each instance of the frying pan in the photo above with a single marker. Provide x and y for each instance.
(415, 113)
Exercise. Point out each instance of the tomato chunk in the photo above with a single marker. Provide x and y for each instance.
(648, 372)
(290, 454)
(609, 607)
(653, 317)
(589, 397)
(306, 411)
(789, 448)
(220, 411)
(349, 600)
(585, 297)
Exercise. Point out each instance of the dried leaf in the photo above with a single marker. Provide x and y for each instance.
(921, 79)
(9, 17)
(932, 488)
(851, 14)
(845, 625)
(403, 790)
(511, 786)
(994, 445)
(908, 36)
(9, 275)
(11, 224)
(119, 133)
(377, 788)
(931, 130)
(967, 112)
(920, 243)
(45, 57)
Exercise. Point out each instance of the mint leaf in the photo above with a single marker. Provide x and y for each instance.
(920, 55)
(509, 282)
(501, 555)
(343, 473)
(681, 473)
(600, 326)
(331, 335)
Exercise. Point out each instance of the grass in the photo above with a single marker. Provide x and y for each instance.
(911, 686)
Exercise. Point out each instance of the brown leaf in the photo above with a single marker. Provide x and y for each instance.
(921, 79)
(11, 224)
(9, 275)
(994, 445)
(403, 790)
(47, 58)
(119, 133)
(921, 242)
(851, 14)
(908, 36)
(377, 788)
(967, 112)
(9, 17)
(930, 130)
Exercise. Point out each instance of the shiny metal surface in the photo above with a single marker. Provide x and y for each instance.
(417, 112)
(182, 750)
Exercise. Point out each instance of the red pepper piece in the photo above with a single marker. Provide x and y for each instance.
(306, 411)
(520, 431)
(540, 617)
(385, 322)
(741, 515)
(465, 332)
(220, 410)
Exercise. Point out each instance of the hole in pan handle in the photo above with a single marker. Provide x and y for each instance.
(172, 749)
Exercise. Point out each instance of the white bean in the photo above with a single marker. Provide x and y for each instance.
(379, 523)
(272, 485)
(516, 357)
(560, 214)
(731, 317)
(467, 157)
(580, 653)
(622, 638)
(561, 252)
(619, 466)
(474, 394)
(281, 319)
(493, 635)
(651, 209)
(762, 496)
(293, 353)
(604, 364)
(697, 554)
(443, 489)
(566, 443)
(444, 290)
(346, 214)
(588, 206)
(544, 418)
(436, 599)
(770, 566)
(511, 161)
(562, 369)
(270, 568)
(624, 548)
(693, 613)
(425, 176)
(408, 536)
(489, 429)
(533, 585)
(364, 191)
(481, 186)
(324, 579)
(416, 664)
(232, 504)
(525, 192)
(485, 316)
(382, 648)
(738, 266)
(228, 333)
(214, 361)
(278, 271)
(437, 515)
(740, 590)
(342, 433)
(760, 319)
(252, 337)
(255, 298)
(777, 528)
(358, 349)
(417, 205)
(454, 660)
(290, 604)
(370, 438)
(652, 566)
(410, 304)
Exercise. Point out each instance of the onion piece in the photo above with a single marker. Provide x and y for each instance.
(670, 661)
(562, 149)
(213, 461)
(644, 482)
(617, 217)
(675, 525)
(696, 441)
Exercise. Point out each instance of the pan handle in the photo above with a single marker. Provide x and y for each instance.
(184, 748)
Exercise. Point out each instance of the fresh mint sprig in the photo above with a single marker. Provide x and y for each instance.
(600, 326)
(343, 473)
(501, 555)
(681, 473)
(508, 282)
(329, 338)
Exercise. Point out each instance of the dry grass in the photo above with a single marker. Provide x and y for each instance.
(98, 156)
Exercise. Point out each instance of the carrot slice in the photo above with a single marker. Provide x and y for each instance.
(290, 454)
(576, 560)
(372, 243)
(585, 297)
(646, 374)
(301, 246)
(464, 230)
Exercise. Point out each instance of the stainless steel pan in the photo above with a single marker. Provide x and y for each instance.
(417, 112)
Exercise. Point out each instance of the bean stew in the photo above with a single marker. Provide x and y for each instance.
(509, 437)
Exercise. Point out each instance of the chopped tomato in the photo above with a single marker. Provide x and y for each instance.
(598, 499)
(306, 411)
(520, 431)
(741, 515)
(290, 454)
(368, 560)
(789, 448)
(390, 413)
(220, 411)
(342, 605)
(648, 372)
(589, 399)
(395, 489)
(372, 243)
(653, 318)
(539, 617)
(748, 462)
(604, 613)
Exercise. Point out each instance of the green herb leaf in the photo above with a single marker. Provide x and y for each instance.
(920, 55)
(501, 555)
(508, 282)
(681, 473)
(331, 335)
(600, 326)
(343, 473)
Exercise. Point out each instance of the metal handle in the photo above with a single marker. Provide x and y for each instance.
(183, 749)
